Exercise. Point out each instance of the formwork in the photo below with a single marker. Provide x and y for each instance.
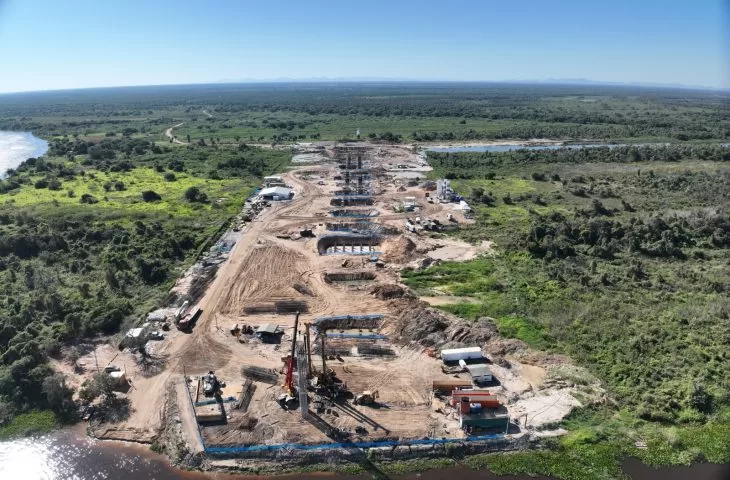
(279, 307)
(351, 200)
(352, 244)
(363, 226)
(260, 374)
(354, 213)
(348, 322)
(351, 348)
(349, 277)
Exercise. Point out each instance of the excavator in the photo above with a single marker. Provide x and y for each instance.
(368, 397)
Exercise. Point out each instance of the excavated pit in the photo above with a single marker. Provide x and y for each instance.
(349, 278)
(354, 213)
(352, 200)
(279, 307)
(343, 244)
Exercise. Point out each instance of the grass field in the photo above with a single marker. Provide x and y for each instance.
(227, 195)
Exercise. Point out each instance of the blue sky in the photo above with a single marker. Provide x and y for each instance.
(54, 44)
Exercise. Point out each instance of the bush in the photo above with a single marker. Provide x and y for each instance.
(170, 177)
(193, 194)
(151, 196)
(88, 199)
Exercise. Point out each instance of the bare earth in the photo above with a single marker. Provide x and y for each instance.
(264, 266)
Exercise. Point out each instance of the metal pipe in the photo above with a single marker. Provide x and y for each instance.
(308, 347)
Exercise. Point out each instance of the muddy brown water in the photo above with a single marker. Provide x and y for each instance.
(69, 454)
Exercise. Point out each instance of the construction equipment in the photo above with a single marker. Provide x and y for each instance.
(211, 385)
(308, 348)
(188, 321)
(368, 397)
(288, 398)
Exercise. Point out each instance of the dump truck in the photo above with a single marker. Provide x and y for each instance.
(188, 320)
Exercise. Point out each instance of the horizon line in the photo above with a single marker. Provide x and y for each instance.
(366, 80)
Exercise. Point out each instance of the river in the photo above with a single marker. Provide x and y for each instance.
(70, 454)
(16, 147)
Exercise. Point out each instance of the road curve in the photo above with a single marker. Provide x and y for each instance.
(168, 134)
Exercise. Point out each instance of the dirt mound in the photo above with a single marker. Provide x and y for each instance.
(388, 291)
(417, 322)
(398, 250)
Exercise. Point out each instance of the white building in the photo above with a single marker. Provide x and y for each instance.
(276, 193)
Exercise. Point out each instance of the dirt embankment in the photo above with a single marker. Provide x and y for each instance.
(416, 322)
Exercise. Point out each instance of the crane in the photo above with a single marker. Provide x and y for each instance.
(289, 379)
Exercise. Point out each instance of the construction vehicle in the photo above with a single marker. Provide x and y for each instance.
(288, 399)
(211, 385)
(368, 397)
(188, 320)
(181, 311)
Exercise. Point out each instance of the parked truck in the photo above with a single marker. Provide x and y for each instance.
(188, 320)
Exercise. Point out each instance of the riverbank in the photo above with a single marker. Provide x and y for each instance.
(17, 147)
(31, 423)
(69, 453)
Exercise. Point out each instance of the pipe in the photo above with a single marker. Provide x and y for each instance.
(308, 347)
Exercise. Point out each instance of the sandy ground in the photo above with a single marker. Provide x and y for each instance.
(271, 262)
(169, 134)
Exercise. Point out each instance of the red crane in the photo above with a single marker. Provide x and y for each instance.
(289, 381)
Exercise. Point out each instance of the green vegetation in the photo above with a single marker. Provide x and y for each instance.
(400, 112)
(92, 237)
(618, 258)
(29, 423)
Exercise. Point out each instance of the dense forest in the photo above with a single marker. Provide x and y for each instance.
(418, 112)
(618, 257)
(92, 236)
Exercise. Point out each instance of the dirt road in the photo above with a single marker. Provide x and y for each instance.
(169, 134)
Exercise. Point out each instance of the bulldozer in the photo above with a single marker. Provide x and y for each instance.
(368, 397)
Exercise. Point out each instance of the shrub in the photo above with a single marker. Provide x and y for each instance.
(193, 194)
(151, 196)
